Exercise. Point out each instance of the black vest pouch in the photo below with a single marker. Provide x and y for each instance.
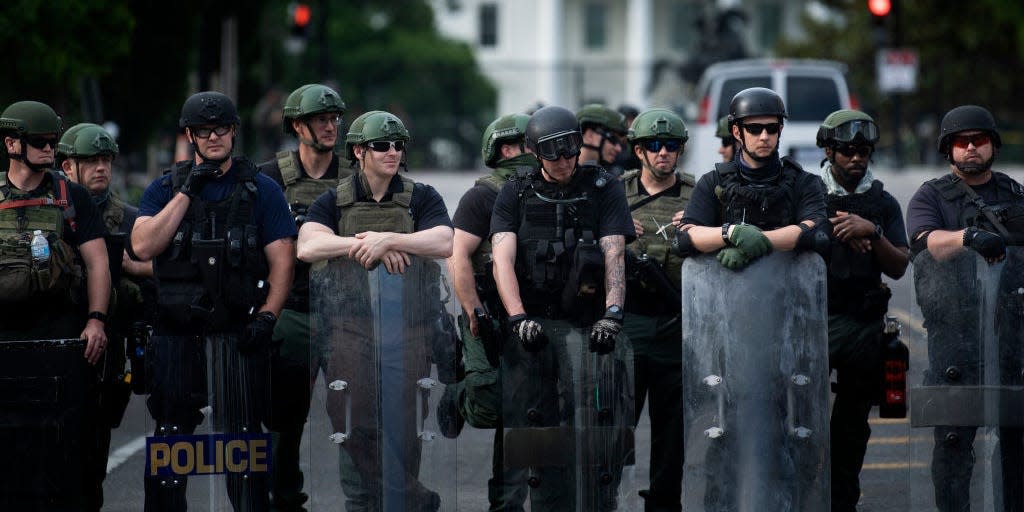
(184, 307)
(209, 257)
(583, 294)
(875, 303)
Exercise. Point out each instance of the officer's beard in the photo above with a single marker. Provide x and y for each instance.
(973, 168)
(846, 179)
(760, 159)
(659, 175)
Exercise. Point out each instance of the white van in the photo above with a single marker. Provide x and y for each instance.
(811, 89)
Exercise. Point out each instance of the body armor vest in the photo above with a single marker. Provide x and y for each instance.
(766, 205)
(1007, 209)
(655, 213)
(852, 274)
(481, 258)
(214, 268)
(356, 216)
(46, 209)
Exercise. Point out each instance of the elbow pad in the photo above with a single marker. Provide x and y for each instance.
(815, 239)
(683, 244)
(919, 245)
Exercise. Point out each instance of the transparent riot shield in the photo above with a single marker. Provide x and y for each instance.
(568, 417)
(47, 424)
(390, 349)
(755, 370)
(967, 400)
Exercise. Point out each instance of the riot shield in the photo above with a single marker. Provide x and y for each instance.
(568, 419)
(390, 349)
(966, 407)
(755, 370)
(47, 424)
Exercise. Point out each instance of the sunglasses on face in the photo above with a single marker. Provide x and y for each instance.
(757, 128)
(382, 146)
(655, 145)
(978, 139)
(564, 145)
(850, 150)
(204, 133)
(41, 141)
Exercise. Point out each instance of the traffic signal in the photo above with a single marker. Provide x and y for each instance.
(879, 8)
(300, 15)
(880, 13)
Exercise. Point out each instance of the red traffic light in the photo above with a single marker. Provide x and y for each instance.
(301, 15)
(880, 8)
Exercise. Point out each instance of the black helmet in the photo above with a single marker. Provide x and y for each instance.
(964, 118)
(756, 101)
(553, 133)
(208, 107)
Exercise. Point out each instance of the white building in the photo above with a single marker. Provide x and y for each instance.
(571, 52)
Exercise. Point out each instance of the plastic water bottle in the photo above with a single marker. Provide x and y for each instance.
(40, 247)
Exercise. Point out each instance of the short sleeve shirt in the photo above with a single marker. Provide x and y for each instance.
(473, 215)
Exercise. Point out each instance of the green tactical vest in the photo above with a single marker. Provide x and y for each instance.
(113, 216)
(21, 278)
(356, 216)
(300, 190)
(646, 210)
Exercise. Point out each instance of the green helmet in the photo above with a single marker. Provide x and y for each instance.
(85, 140)
(723, 129)
(29, 118)
(508, 128)
(374, 125)
(595, 114)
(845, 126)
(658, 123)
(308, 100)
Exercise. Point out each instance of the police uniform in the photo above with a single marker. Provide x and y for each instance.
(997, 206)
(294, 366)
(655, 330)
(857, 302)
(228, 224)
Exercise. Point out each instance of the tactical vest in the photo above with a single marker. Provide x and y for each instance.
(655, 214)
(46, 209)
(765, 205)
(557, 239)
(481, 258)
(214, 268)
(299, 189)
(852, 274)
(1007, 209)
(355, 216)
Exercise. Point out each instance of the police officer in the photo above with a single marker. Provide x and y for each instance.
(656, 193)
(728, 147)
(221, 240)
(504, 152)
(980, 209)
(602, 129)
(86, 152)
(36, 303)
(312, 113)
(869, 239)
(757, 202)
(626, 158)
(376, 217)
(554, 234)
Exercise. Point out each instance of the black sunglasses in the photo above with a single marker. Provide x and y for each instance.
(41, 141)
(382, 146)
(204, 133)
(655, 145)
(849, 150)
(757, 128)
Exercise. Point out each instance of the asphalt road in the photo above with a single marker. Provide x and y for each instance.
(896, 469)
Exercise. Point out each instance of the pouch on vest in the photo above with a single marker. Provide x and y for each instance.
(582, 297)
(22, 278)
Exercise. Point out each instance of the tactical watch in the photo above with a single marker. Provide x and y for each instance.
(97, 315)
(878, 233)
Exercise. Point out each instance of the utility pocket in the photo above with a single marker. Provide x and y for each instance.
(18, 279)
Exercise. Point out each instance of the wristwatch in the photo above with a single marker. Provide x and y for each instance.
(614, 312)
(725, 232)
(96, 315)
(878, 233)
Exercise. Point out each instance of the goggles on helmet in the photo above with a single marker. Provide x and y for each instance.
(849, 131)
(560, 145)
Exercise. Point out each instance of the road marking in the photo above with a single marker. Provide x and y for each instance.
(886, 466)
(125, 452)
(888, 421)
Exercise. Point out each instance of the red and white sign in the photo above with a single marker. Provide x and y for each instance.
(897, 70)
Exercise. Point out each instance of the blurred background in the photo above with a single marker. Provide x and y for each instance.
(448, 67)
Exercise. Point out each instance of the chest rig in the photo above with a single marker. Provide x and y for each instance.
(854, 278)
(655, 215)
(1004, 215)
(356, 216)
(301, 190)
(768, 205)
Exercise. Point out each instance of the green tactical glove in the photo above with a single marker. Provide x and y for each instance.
(732, 258)
(749, 239)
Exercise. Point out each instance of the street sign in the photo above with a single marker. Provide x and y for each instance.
(896, 69)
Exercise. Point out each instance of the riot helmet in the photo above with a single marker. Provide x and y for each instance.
(208, 108)
(503, 130)
(554, 132)
(723, 130)
(847, 127)
(307, 101)
(84, 140)
(34, 124)
(372, 126)
(597, 116)
(658, 123)
(756, 101)
(964, 118)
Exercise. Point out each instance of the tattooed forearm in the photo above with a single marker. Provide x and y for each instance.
(613, 248)
(498, 237)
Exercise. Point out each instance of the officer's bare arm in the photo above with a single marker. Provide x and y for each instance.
(614, 247)
(318, 242)
(503, 246)
(97, 266)
(706, 238)
(152, 235)
(784, 238)
(281, 260)
(435, 242)
(460, 267)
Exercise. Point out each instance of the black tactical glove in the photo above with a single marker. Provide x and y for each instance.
(258, 335)
(197, 179)
(528, 332)
(989, 245)
(605, 330)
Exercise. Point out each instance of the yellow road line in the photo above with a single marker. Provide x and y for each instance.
(888, 466)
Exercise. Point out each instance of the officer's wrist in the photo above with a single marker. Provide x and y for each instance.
(726, 233)
(98, 315)
(968, 235)
(614, 313)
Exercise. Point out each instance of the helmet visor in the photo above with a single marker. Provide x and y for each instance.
(848, 131)
(561, 145)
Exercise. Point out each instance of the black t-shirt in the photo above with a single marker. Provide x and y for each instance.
(613, 210)
(427, 206)
(473, 215)
(928, 210)
(704, 209)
